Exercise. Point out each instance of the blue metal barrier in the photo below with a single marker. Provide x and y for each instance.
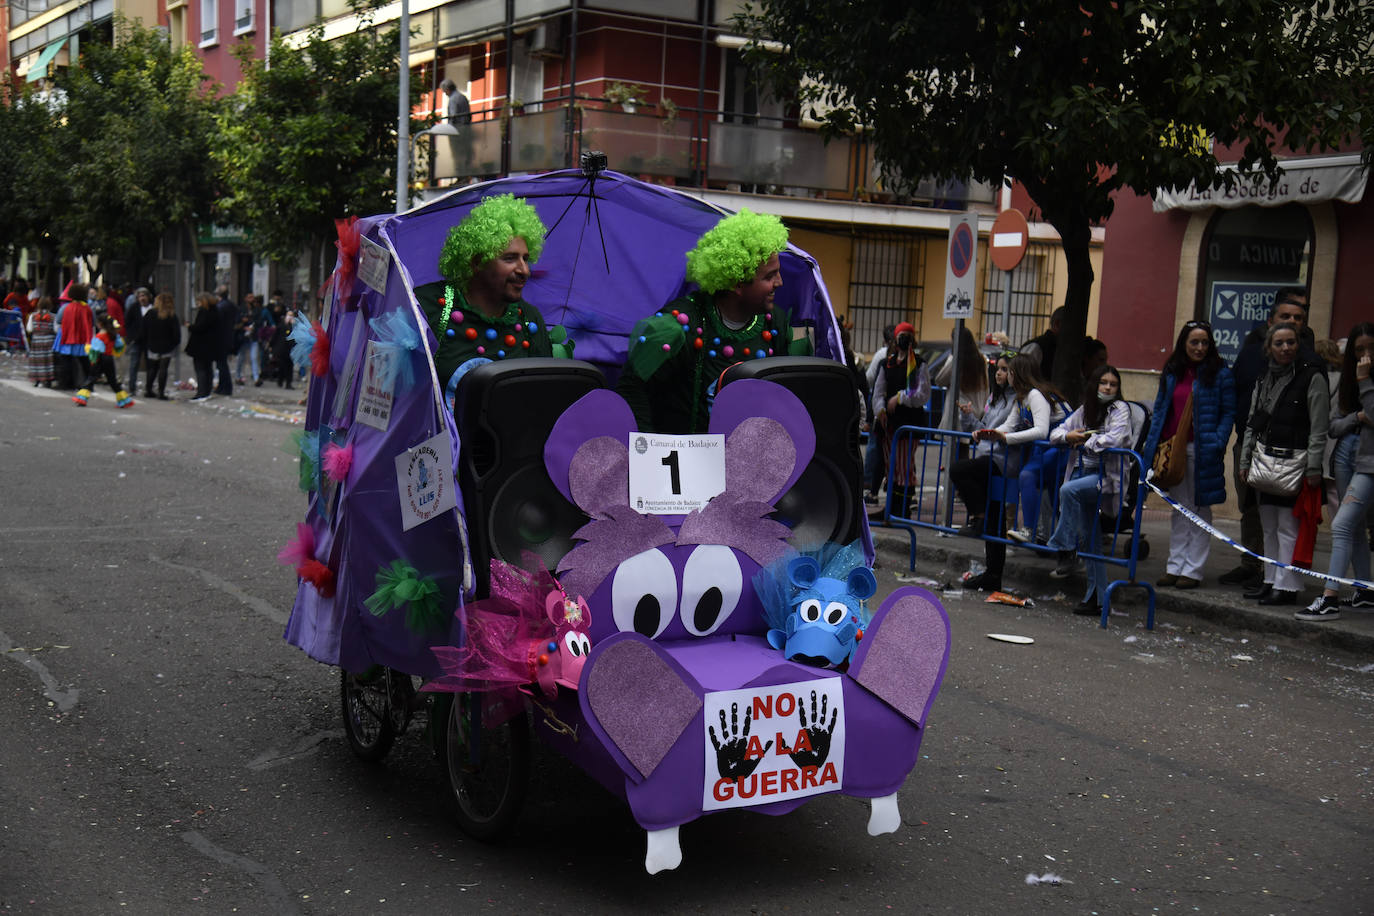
(930, 453)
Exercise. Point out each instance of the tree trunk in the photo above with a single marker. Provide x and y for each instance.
(1075, 237)
(1060, 207)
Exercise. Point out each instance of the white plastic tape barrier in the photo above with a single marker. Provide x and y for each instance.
(1226, 539)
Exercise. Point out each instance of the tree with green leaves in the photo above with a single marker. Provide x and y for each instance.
(31, 173)
(1081, 99)
(133, 139)
(309, 138)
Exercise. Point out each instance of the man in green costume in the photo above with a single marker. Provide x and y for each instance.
(677, 356)
(477, 312)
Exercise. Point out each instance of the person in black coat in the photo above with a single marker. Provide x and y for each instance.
(203, 343)
(161, 336)
(227, 332)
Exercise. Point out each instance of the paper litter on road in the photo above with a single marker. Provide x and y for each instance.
(1048, 877)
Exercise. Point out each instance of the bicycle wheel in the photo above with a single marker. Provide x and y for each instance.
(486, 768)
(369, 718)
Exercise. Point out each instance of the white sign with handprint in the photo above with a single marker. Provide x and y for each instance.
(772, 743)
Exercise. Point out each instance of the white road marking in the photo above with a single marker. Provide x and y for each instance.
(63, 699)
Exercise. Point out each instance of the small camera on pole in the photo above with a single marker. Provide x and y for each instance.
(593, 162)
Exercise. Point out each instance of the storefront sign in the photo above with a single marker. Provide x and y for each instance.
(1304, 181)
(1235, 308)
(767, 744)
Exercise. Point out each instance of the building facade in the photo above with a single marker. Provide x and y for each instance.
(662, 87)
(1219, 256)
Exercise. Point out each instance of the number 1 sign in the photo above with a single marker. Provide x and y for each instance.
(673, 475)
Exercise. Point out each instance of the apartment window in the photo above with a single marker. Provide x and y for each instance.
(243, 16)
(209, 22)
(1027, 312)
(884, 284)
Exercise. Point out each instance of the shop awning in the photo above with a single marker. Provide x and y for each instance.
(1304, 181)
(40, 67)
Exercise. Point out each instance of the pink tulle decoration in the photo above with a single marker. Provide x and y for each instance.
(319, 354)
(300, 548)
(508, 635)
(318, 575)
(337, 461)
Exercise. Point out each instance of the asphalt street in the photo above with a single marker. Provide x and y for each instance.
(165, 751)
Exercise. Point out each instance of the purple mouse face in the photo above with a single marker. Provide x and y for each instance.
(679, 592)
(678, 577)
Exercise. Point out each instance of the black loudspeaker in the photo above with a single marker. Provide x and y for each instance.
(505, 412)
(826, 503)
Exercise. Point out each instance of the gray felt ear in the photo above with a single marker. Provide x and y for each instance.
(638, 699)
(759, 459)
(599, 475)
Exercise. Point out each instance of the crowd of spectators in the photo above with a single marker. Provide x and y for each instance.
(147, 331)
(1279, 405)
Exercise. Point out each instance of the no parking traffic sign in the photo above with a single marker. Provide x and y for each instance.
(961, 266)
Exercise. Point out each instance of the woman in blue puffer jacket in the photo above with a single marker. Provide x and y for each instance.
(1195, 369)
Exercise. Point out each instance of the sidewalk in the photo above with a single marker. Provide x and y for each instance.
(266, 400)
(1028, 573)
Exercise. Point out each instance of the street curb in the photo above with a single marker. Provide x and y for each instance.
(893, 545)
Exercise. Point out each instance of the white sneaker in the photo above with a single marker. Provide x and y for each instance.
(1023, 535)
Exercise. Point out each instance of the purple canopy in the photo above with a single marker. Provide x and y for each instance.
(596, 292)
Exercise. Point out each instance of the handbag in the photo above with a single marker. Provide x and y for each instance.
(1171, 456)
(1277, 471)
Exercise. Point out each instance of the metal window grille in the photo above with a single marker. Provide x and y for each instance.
(884, 284)
(1032, 294)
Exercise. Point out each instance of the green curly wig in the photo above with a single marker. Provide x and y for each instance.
(485, 232)
(732, 250)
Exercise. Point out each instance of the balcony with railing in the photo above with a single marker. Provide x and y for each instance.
(684, 148)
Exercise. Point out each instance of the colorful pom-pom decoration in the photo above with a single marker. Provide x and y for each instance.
(302, 339)
(337, 460)
(399, 340)
(300, 548)
(318, 575)
(400, 583)
(319, 353)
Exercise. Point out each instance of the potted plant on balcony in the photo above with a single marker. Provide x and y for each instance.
(669, 108)
(629, 96)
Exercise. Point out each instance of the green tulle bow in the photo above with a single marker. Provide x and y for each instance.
(401, 584)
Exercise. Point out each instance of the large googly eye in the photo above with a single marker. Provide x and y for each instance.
(586, 645)
(644, 594)
(810, 610)
(834, 613)
(711, 586)
(572, 642)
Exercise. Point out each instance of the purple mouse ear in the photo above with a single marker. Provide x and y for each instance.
(769, 438)
(586, 454)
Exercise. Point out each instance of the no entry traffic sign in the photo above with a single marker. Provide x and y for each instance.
(1009, 239)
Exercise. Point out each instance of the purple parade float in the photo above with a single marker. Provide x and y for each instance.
(485, 555)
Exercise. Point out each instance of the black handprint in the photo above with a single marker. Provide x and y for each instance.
(818, 733)
(731, 761)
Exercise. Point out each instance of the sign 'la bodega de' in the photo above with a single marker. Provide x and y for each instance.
(1304, 181)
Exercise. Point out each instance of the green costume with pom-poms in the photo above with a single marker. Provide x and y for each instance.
(677, 356)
